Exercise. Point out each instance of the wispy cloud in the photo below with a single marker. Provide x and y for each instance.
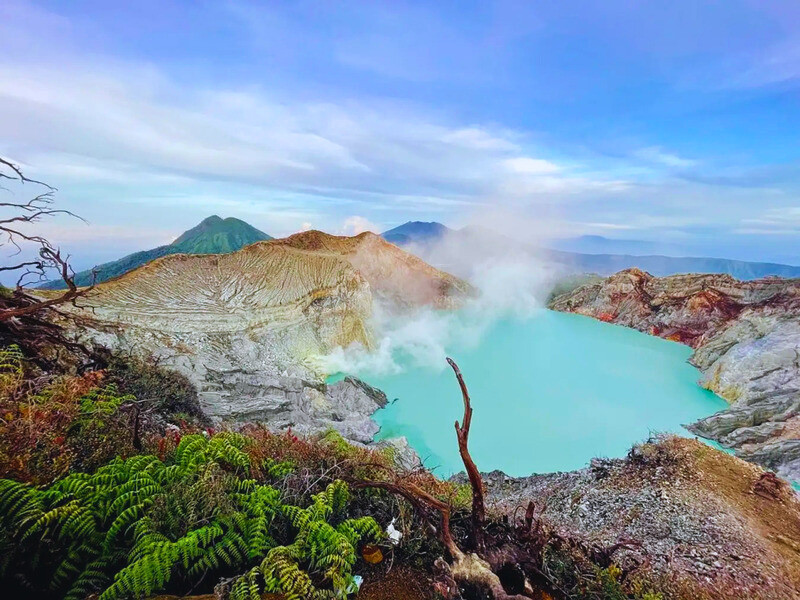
(774, 221)
(80, 122)
(657, 155)
(531, 166)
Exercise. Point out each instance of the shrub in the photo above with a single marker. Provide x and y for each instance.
(170, 392)
(327, 456)
(143, 525)
(578, 577)
(49, 427)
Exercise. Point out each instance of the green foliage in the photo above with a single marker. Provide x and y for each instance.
(580, 578)
(11, 369)
(326, 551)
(277, 470)
(170, 392)
(607, 584)
(139, 526)
(98, 406)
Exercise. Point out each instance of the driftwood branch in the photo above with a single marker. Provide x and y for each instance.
(475, 479)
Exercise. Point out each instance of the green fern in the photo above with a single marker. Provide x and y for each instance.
(136, 527)
(11, 369)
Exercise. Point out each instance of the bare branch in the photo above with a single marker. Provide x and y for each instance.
(424, 503)
(20, 176)
(475, 479)
(28, 212)
(37, 264)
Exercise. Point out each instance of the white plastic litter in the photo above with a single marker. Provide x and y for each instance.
(355, 585)
(394, 535)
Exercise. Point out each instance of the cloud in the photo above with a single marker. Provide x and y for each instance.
(294, 116)
(774, 221)
(356, 224)
(777, 63)
(88, 123)
(480, 139)
(657, 155)
(129, 125)
(609, 226)
(530, 166)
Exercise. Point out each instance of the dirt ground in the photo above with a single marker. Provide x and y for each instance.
(400, 583)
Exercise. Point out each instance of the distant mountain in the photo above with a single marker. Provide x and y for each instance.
(418, 232)
(213, 235)
(218, 236)
(661, 266)
(465, 244)
(598, 244)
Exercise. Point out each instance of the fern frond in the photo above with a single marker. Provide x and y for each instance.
(135, 525)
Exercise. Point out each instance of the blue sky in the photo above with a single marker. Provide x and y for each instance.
(675, 122)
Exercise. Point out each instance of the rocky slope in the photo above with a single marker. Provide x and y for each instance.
(213, 235)
(248, 327)
(703, 524)
(393, 274)
(746, 336)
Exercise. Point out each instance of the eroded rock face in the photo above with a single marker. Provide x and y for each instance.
(746, 336)
(345, 406)
(393, 274)
(248, 328)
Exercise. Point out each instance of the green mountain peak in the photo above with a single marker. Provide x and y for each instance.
(213, 235)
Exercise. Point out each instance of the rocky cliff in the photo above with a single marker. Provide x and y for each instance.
(746, 336)
(248, 327)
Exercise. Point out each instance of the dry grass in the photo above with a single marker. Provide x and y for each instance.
(773, 519)
(759, 504)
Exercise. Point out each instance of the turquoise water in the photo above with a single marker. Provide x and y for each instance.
(548, 393)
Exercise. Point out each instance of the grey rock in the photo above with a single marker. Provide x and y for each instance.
(746, 336)
(404, 455)
(680, 524)
(782, 456)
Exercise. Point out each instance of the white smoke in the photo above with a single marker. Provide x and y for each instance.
(511, 280)
(419, 339)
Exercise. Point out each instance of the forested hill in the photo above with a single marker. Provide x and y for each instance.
(212, 235)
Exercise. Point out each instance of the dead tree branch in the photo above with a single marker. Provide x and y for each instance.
(19, 175)
(466, 568)
(14, 232)
(475, 479)
(425, 504)
(497, 548)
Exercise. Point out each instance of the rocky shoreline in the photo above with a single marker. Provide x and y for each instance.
(746, 336)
